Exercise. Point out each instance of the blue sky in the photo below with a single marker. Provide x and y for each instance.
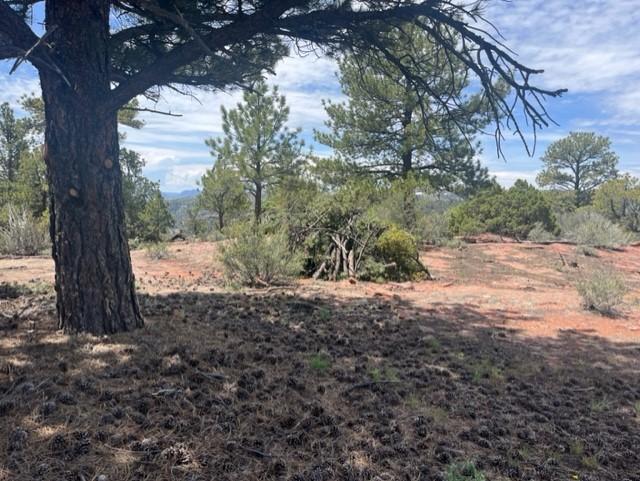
(590, 47)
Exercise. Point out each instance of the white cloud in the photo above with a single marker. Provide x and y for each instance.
(22, 82)
(178, 178)
(507, 178)
(172, 145)
(308, 72)
(590, 46)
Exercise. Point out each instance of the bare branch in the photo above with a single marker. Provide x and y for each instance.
(136, 109)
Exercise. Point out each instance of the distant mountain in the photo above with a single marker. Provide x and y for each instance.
(179, 204)
(180, 195)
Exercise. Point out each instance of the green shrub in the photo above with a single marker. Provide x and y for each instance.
(603, 291)
(465, 471)
(539, 234)
(512, 212)
(373, 270)
(157, 251)
(397, 246)
(433, 228)
(22, 234)
(589, 228)
(619, 201)
(319, 362)
(257, 258)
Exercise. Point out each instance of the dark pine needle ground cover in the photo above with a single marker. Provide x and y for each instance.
(306, 387)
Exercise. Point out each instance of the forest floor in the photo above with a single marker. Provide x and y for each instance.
(495, 363)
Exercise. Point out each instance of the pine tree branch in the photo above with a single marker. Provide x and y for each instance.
(160, 71)
(17, 40)
(15, 35)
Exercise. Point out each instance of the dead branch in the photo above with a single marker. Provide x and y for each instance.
(28, 53)
(139, 109)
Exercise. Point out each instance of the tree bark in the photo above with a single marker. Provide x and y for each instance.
(410, 216)
(94, 279)
(258, 203)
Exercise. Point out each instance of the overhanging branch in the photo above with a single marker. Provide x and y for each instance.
(15, 34)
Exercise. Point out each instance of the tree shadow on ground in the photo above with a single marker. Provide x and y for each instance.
(232, 386)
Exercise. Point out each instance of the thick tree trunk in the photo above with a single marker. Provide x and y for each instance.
(94, 280)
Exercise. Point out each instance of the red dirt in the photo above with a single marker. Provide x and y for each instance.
(517, 285)
(494, 362)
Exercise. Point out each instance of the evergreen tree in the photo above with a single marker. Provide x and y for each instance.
(619, 200)
(155, 218)
(90, 66)
(195, 222)
(14, 143)
(257, 142)
(30, 189)
(222, 193)
(34, 106)
(578, 163)
(513, 212)
(137, 191)
(390, 128)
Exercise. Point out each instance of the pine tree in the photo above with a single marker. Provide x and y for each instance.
(619, 200)
(258, 143)
(579, 163)
(137, 192)
(14, 143)
(155, 218)
(89, 67)
(222, 193)
(390, 127)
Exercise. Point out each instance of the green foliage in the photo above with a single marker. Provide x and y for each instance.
(14, 142)
(513, 212)
(223, 193)
(138, 192)
(340, 230)
(257, 143)
(397, 246)
(292, 204)
(30, 188)
(255, 257)
(194, 220)
(433, 228)
(34, 106)
(347, 232)
(589, 228)
(602, 291)
(320, 362)
(155, 218)
(22, 234)
(399, 203)
(23, 172)
(382, 128)
(561, 202)
(578, 163)
(539, 234)
(619, 201)
(465, 471)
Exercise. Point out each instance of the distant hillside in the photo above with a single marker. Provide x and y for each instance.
(180, 195)
(179, 204)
